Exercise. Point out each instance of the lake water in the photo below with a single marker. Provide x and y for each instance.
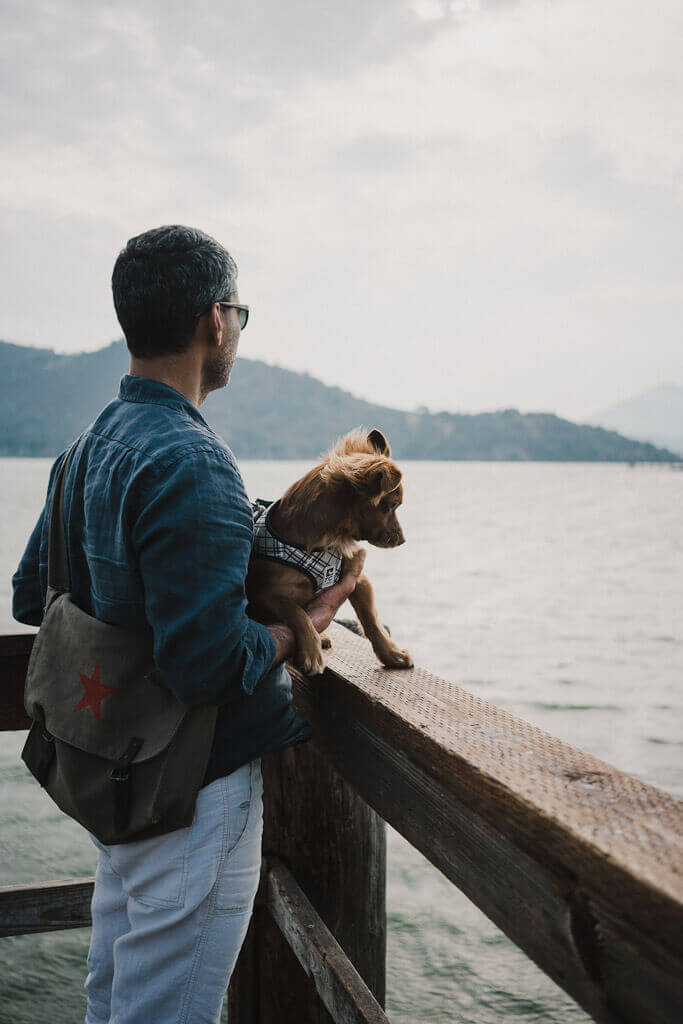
(553, 590)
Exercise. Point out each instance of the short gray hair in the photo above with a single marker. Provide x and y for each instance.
(162, 280)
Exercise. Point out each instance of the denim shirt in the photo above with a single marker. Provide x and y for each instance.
(159, 533)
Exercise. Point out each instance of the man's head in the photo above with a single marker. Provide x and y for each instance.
(167, 284)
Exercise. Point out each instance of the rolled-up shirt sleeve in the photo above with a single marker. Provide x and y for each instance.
(192, 539)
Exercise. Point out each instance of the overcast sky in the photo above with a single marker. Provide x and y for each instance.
(465, 205)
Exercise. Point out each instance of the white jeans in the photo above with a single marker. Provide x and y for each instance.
(169, 914)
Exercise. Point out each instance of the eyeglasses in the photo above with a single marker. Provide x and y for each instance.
(242, 311)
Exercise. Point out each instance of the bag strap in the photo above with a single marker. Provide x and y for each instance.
(58, 575)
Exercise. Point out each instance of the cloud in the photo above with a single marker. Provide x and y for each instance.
(476, 190)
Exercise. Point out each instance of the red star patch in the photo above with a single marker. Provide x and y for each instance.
(95, 691)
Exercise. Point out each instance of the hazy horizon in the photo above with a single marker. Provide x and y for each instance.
(458, 204)
(606, 408)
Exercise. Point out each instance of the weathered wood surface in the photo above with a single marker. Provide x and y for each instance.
(53, 906)
(335, 847)
(45, 907)
(578, 863)
(243, 992)
(14, 655)
(337, 982)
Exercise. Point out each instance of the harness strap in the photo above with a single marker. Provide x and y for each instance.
(323, 567)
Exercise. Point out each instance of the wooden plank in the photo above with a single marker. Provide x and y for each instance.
(337, 982)
(335, 846)
(14, 655)
(579, 863)
(243, 991)
(46, 907)
(53, 906)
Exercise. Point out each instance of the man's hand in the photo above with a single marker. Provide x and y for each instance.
(322, 609)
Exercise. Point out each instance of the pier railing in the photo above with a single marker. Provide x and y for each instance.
(578, 863)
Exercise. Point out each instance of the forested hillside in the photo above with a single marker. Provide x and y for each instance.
(268, 412)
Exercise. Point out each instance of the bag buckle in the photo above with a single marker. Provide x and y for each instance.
(119, 772)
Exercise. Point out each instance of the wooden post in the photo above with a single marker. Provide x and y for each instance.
(335, 847)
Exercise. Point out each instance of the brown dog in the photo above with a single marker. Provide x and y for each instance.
(302, 541)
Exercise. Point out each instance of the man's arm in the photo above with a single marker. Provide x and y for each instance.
(321, 610)
(192, 538)
(285, 642)
(193, 542)
(27, 600)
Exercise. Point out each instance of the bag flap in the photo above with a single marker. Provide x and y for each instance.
(95, 686)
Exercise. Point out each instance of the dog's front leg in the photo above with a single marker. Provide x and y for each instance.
(309, 656)
(363, 603)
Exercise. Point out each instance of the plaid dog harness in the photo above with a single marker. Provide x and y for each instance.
(323, 568)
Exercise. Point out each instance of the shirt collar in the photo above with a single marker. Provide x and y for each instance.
(155, 392)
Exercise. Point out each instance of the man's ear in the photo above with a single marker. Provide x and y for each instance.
(216, 325)
(379, 442)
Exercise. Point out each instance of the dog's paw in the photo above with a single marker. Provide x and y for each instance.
(396, 658)
(312, 665)
(325, 641)
(309, 658)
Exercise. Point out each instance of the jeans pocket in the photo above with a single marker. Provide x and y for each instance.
(154, 871)
(238, 821)
(241, 868)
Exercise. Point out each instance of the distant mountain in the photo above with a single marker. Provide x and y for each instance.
(268, 412)
(655, 415)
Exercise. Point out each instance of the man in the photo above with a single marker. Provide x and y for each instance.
(159, 532)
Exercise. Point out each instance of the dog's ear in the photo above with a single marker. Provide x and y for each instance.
(379, 442)
(382, 478)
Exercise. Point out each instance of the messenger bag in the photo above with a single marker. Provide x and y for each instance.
(110, 743)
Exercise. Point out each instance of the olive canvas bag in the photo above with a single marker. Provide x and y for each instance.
(110, 742)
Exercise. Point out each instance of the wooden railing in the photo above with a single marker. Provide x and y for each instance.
(580, 864)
